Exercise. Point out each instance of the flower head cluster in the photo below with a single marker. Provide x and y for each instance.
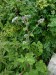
(25, 18)
(14, 19)
(41, 20)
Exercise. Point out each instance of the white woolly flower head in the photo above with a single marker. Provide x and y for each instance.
(25, 18)
(24, 42)
(28, 16)
(14, 19)
(41, 20)
(26, 36)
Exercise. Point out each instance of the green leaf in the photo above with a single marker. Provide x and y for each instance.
(53, 22)
(29, 58)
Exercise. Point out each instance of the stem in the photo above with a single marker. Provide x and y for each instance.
(34, 28)
(27, 39)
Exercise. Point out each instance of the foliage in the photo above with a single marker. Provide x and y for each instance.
(27, 36)
(40, 69)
